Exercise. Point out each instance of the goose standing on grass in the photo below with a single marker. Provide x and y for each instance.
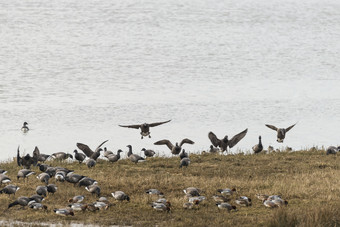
(226, 206)
(52, 188)
(332, 150)
(9, 189)
(44, 177)
(145, 128)
(24, 127)
(22, 201)
(213, 149)
(61, 156)
(41, 190)
(227, 191)
(27, 160)
(90, 153)
(183, 154)
(107, 152)
(74, 178)
(148, 153)
(162, 206)
(120, 196)
(24, 173)
(93, 189)
(79, 156)
(86, 181)
(2, 171)
(4, 179)
(114, 157)
(243, 201)
(77, 199)
(154, 191)
(134, 157)
(64, 211)
(43, 157)
(36, 206)
(258, 147)
(192, 191)
(175, 149)
(37, 198)
(224, 143)
(90, 163)
(281, 132)
(184, 162)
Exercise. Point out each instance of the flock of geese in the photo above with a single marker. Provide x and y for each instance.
(89, 156)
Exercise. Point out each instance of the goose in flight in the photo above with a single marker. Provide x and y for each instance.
(225, 142)
(281, 132)
(145, 128)
(175, 149)
(89, 153)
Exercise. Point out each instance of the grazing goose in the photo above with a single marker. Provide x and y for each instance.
(258, 147)
(134, 157)
(103, 199)
(78, 206)
(52, 188)
(4, 179)
(51, 171)
(42, 167)
(161, 200)
(107, 152)
(93, 189)
(145, 128)
(22, 201)
(77, 199)
(89, 153)
(120, 196)
(2, 171)
(224, 143)
(44, 177)
(86, 181)
(213, 149)
(220, 198)
(243, 201)
(43, 157)
(37, 198)
(61, 156)
(9, 189)
(183, 154)
(60, 176)
(227, 191)
(90, 163)
(175, 149)
(196, 199)
(73, 178)
(189, 205)
(41, 190)
(114, 157)
(280, 202)
(64, 211)
(332, 150)
(24, 127)
(36, 206)
(281, 132)
(154, 192)
(225, 206)
(24, 173)
(262, 197)
(91, 207)
(192, 191)
(184, 162)
(270, 204)
(102, 205)
(27, 160)
(79, 156)
(148, 153)
(162, 206)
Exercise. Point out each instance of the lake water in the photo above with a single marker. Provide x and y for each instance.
(74, 70)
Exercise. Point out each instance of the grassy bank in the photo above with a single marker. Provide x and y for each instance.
(309, 180)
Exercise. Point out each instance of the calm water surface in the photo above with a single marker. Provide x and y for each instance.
(74, 70)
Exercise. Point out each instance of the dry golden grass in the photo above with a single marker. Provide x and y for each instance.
(309, 180)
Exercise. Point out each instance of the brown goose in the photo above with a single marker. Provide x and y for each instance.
(27, 160)
(258, 147)
(175, 149)
(89, 153)
(145, 128)
(281, 132)
(225, 142)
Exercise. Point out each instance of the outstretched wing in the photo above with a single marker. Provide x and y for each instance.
(272, 127)
(158, 123)
(186, 140)
(130, 126)
(237, 138)
(214, 140)
(36, 154)
(290, 127)
(85, 149)
(100, 145)
(166, 142)
(19, 159)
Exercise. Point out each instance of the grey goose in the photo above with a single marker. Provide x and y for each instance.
(91, 163)
(24, 127)
(36, 206)
(224, 143)
(22, 201)
(281, 132)
(225, 206)
(332, 150)
(79, 156)
(213, 149)
(24, 173)
(184, 162)
(183, 154)
(37, 198)
(86, 181)
(145, 128)
(52, 188)
(4, 179)
(64, 211)
(44, 177)
(73, 178)
(120, 196)
(107, 152)
(175, 149)
(89, 153)
(61, 156)
(77, 199)
(93, 189)
(162, 206)
(114, 157)
(43, 157)
(41, 190)
(9, 189)
(134, 157)
(154, 191)
(148, 153)
(258, 147)
(27, 160)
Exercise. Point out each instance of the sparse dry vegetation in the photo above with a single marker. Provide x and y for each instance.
(308, 179)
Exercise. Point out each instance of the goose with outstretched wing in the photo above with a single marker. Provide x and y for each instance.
(224, 143)
(90, 153)
(145, 128)
(281, 132)
(175, 149)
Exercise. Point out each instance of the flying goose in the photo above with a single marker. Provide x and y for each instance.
(24, 127)
(79, 156)
(224, 143)
(9, 189)
(134, 157)
(281, 132)
(27, 160)
(120, 195)
(258, 147)
(114, 157)
(61, 156)
(24, 173)
(175, 149)
(145, 128)
(148, 153)
(89, 153)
